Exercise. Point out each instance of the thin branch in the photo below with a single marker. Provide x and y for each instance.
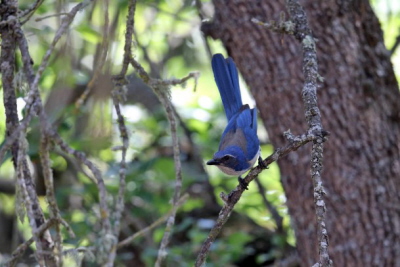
(395, 45)
(233, 197)
(99, 61)
(30, 200)
(51, 16)
(19, 251)
(35, 214)
(128, 36)
(49, 182)
(161, 220)
(161, 89)
(104, 211)
(35, 106)
(106, 239)
(272, 210)
(282, 26)
(199, 7)
(164, 98)
(303, 33)
(118, 94)
(33, 79)
(291, 260)
(30, 11)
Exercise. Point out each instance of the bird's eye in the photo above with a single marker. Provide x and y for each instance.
(226, 157)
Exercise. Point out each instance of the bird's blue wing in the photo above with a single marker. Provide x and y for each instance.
(226, 77)
(241, 132)
(247, 122)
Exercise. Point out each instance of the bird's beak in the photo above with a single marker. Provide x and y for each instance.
(213, 162)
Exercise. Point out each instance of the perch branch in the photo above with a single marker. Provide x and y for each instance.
(233, 197)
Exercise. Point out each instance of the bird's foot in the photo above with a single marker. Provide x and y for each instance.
(243, 183)
(261, 163)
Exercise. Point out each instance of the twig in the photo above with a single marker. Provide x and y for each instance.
(99, 61)
(104, 212)
(199, 7)
(291, 260)
(395, 45)
(18, 146)
(313, 117)
(51, 16)
(107, 239)
(35, 214)
(161, 220)
(19, 251)
(274, 213)
(118, 94)
(30, 11)
(35, 105)
(161, 89)
(233, 197)
(282, 26)
(33, 79)
(164, 98)
(49, 182)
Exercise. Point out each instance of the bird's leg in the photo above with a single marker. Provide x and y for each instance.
(243, 183)
(261, 163)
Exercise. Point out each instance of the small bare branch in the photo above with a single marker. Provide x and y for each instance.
(18, 147)
(100, 60)
(104, 212)
(282, 26)
(19, 251)
(49, 182)
(161, 89)
(395, 45)
(118, 94)
(33, 79)
(272, 210)
(233, 197)
(161, 220)
(30, 11)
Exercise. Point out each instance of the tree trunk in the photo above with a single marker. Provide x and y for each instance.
(359, 101)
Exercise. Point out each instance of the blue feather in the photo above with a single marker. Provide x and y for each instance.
(247, 122)
(227, 79)
(239, 146)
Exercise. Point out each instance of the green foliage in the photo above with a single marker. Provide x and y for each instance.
(388, 13)
(168, 44)
(167, 34)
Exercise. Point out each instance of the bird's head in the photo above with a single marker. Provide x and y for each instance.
(231, 161)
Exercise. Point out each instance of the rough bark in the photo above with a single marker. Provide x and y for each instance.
(359, 101)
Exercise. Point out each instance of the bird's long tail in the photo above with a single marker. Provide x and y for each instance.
(226, 77)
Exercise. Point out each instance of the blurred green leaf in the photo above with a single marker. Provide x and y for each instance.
(89, 34)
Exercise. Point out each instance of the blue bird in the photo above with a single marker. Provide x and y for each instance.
(239, 147)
